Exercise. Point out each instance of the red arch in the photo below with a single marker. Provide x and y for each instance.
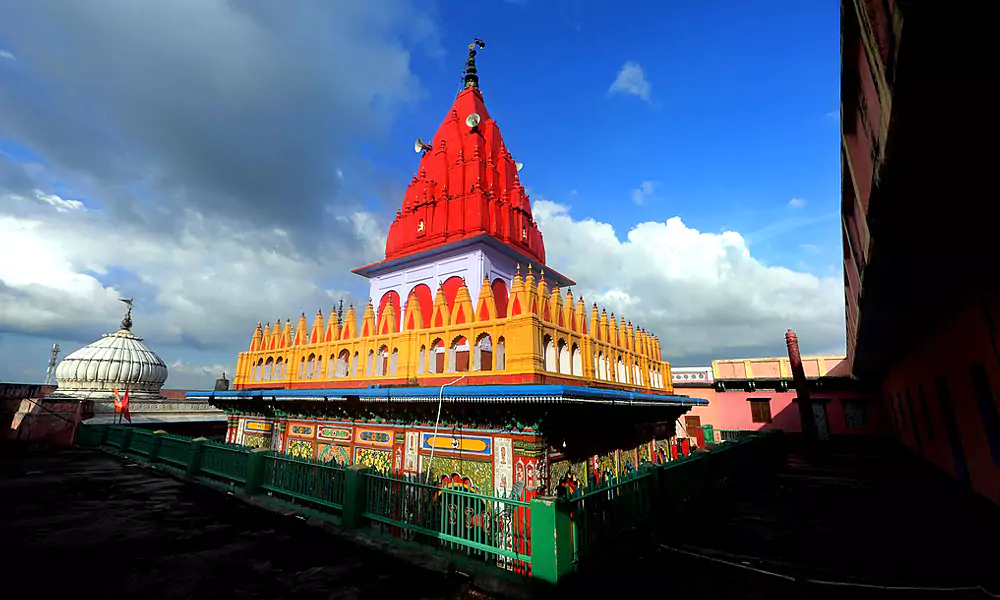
(451, 286)
(500, 297)
(426, 301)
(386, 297)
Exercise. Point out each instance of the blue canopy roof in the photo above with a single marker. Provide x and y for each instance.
(465, 393)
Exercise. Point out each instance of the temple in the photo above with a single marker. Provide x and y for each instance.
(476, 365)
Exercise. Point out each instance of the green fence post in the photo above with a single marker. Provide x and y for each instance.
(653, 484)
(551, 541)
(194, 462)
(355, 487)
(126, 440)
(154, 448)
(255, 470)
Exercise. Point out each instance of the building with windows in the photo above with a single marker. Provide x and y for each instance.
(759, 393)
(473, 363)
(920, 273)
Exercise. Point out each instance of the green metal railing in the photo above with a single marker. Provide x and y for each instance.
(175, 451)
(614, 506)
(492, 529)
(313, 482)
(225, 463)
(726, 435)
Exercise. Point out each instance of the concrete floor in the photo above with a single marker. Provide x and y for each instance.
(84, 524)
(89, 525)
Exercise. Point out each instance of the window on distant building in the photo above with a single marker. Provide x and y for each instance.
(988, 411)
(760, 410)
(855, 413)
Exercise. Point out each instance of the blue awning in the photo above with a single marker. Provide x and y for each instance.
(468, 393)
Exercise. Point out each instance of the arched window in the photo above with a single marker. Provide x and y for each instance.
(279, 369)
(354, 365)
(311, 367)
(564, 359)
(382, 361)
(258, 371)
(422, 360)
(499, 357)
(458, 355)
(269, 368)
(622, 372)
(482, 355)
(436, 359)
(343, 363)
(577, 358)
(302, 368)
(549, 352)
(370, 363)
(320, 372)
(393, 361)
(332, 367)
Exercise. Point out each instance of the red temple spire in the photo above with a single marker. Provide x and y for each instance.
(467, 184)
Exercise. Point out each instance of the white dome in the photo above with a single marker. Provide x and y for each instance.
(117, 360)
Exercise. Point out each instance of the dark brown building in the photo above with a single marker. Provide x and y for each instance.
(920, 235)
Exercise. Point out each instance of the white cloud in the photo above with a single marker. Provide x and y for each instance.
(703, 294)
(796, 203)
(57, 202)
(7, 54)
(811, 248)
(204, 286)
(644, 191)
(631, 80)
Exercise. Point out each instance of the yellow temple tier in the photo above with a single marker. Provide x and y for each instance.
(547, 338)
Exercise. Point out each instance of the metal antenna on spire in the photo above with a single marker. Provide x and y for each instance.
(471, 78)
(50, 373)
(340, 314)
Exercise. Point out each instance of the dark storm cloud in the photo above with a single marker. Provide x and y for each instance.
(242, 108)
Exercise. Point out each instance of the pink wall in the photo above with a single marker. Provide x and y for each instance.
(731, 410)
(958, 343)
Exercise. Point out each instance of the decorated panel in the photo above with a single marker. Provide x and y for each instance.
(378, 460)
(334, 453)
(503, 465)
(335, 433)
(301, 430)
(448, 443)
(380, 438)
(300, 448)
(258, 426)
(471, 475)
(411, 451)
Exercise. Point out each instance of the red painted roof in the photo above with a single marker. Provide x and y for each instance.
(467, 185)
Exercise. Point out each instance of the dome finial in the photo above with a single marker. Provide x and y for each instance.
(127, 321)
(471, 77)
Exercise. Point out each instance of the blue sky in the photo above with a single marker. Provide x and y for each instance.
(239, 175)
(739, 120)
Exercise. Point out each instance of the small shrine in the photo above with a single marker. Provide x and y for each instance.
(476, 366)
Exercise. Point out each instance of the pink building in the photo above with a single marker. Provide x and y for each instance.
(758, 393)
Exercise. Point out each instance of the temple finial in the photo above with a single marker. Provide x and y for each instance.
(471, 77)
(127, 321)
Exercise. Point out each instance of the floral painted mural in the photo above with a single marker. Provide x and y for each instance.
(378, 460)
(334, 453)
(300, 448)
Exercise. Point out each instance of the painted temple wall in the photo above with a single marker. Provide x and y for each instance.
(472, 263)
(542, 341)
(483, 460)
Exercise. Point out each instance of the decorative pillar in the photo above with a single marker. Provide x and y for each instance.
(278, 437)
(232, 426)
(801, 385)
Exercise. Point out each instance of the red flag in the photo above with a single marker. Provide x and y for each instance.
(118, 401)
(124, 408)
